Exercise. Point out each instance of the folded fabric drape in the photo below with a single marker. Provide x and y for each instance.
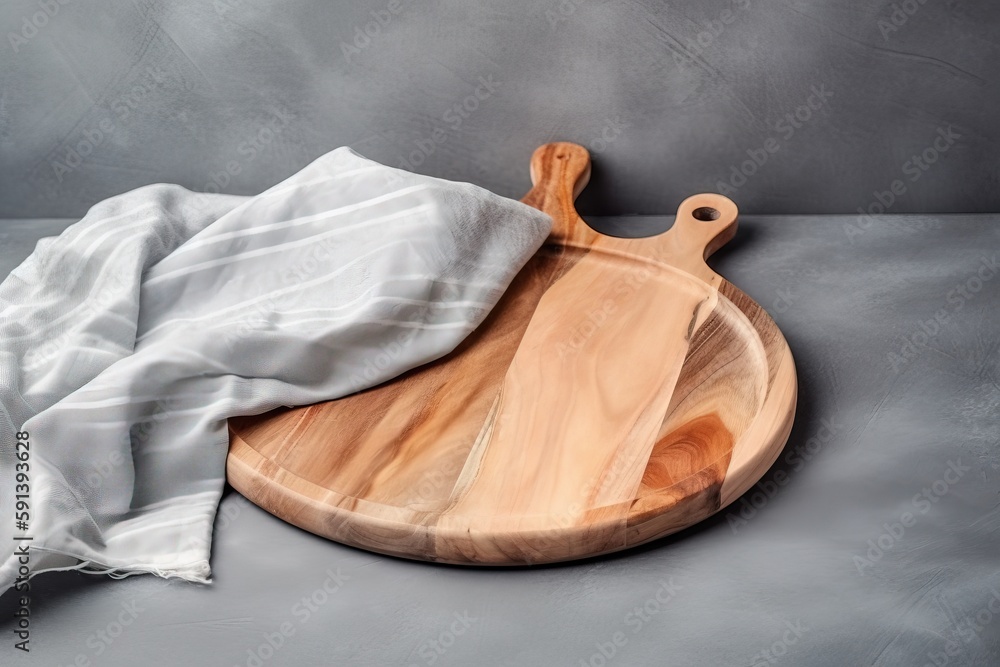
(127, 341)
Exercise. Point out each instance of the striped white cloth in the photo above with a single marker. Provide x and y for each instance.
(127, 341)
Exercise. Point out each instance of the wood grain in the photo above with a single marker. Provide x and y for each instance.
(620, 391)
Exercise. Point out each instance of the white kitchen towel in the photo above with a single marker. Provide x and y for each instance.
(127, 341)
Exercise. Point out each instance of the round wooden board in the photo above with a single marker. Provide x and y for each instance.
(618, 392)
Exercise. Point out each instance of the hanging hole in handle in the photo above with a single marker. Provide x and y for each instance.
(706, 214)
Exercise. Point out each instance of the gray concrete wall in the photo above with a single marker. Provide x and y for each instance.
(100, 96)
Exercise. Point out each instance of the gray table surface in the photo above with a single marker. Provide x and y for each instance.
(873, 541)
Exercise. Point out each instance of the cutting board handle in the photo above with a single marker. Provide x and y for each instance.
(705, 222)
(559, 173)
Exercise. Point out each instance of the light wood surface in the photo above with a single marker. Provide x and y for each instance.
(620, 391)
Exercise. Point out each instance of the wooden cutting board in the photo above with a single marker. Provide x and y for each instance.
(618, 392)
